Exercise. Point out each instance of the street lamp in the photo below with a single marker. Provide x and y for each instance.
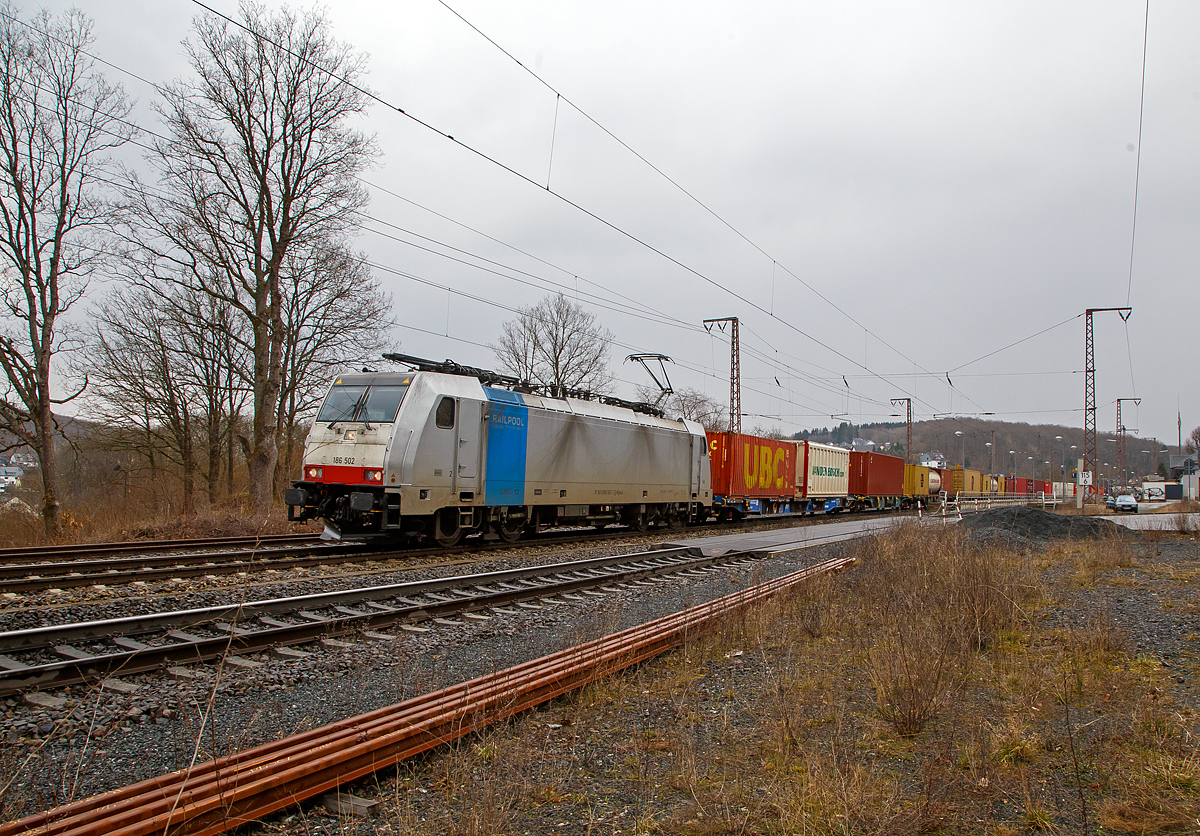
(1012, 463)
(1064, 463)
(1032, 475)
(963, 454)
(991, 454)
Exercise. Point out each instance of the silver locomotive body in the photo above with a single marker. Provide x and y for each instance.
(444, 455)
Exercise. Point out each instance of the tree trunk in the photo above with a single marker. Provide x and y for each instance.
(214, 456)
(264, 450)
(51, 518)
(229, 458)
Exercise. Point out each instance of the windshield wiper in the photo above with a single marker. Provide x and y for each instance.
(350, 411)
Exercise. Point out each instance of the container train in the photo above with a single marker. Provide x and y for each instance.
(445, 450)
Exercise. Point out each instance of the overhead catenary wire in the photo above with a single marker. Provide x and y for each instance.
(871, 373)
(561, 197)
(400, 110)
(1137, 177)
(559, 97)
(769, 311)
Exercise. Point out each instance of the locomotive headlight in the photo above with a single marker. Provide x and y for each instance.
(313, 472)
(370, 475)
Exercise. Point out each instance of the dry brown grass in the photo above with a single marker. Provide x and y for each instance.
(1092, 559)
(118, 520)
(784, 721)
(928, 604)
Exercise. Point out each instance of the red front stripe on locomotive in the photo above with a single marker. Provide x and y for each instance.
(336, 474)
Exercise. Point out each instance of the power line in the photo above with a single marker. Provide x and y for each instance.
(1138, 170)
(621, 231)
(560, 97)
(871, 373)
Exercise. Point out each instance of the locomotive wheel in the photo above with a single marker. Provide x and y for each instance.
(641, 522)
(510, 529)
(675, 520)
(446, 529)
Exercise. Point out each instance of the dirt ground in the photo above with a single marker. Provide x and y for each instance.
(984, 679)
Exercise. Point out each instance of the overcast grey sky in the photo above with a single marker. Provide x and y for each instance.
(899, 189)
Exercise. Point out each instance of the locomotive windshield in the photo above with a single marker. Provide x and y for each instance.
(361, 403)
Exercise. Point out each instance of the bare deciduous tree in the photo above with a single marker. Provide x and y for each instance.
(58, 119)
(142, 367)
(558, 344)
(692, 405)
(260, 164)
(334, 315)
(767, 432)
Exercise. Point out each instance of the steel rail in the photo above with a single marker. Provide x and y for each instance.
(243, 787)
(35, 554)
(133, 625)
(121, 571)
(23, 577)
(34, 577)
(237, 638)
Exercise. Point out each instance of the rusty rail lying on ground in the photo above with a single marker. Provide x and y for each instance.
(219, 795)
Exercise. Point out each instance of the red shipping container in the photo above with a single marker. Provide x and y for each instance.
(1041, 486)
(874, 474)
(749, 467)
(1020, 485)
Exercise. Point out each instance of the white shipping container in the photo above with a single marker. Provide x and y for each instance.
(826, 469)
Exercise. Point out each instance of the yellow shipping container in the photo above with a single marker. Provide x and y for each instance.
(965, 481)
(916, 480)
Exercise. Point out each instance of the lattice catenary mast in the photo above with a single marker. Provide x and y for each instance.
(908, 445)
(735, 370)
(1089, 395)
(1121, 463)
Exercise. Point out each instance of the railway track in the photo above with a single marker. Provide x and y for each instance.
(25, 577)
(38, 577)
(43, 554)
(48, 657)
(240, 788)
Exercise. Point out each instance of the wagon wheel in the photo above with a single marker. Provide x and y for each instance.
(446, 529)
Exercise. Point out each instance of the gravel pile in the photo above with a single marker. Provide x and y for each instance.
(1029, 529)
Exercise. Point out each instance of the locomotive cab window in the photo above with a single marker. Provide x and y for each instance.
(444, 417)
(360, 403)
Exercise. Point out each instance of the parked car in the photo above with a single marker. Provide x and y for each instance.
(1126, 502)
(1110, 501)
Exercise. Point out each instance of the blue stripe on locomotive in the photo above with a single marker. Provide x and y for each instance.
(507, 442)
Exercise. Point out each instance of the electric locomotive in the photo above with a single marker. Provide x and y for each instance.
(448, 450)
